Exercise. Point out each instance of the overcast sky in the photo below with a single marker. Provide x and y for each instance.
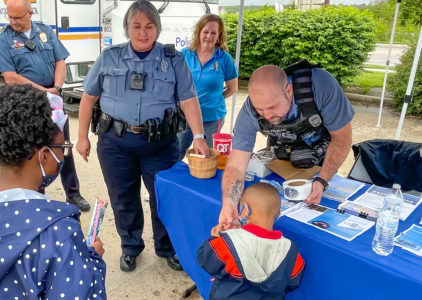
(271, 2)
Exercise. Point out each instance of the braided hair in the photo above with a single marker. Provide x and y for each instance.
(25, 123)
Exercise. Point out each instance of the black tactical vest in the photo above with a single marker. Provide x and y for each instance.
(303, 141)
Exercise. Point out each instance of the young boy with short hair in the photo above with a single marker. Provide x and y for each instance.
(254, 261)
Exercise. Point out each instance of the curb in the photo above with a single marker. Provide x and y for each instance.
(368, 100)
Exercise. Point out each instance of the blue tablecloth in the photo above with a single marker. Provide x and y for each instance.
(335, 269)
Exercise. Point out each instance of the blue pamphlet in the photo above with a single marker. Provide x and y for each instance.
(411, 240)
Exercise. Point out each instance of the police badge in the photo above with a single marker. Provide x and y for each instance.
(315, 120)
(43, 37)
(164, 65)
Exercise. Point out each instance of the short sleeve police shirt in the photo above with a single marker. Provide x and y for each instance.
(334, 107)
(37, 65)
(111, 74)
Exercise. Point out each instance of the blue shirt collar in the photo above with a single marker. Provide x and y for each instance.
(20, 194)
(293, 111)
(217, 53)
(34, 28)
(129, 53)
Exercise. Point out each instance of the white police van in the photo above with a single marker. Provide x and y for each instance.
(86, 27)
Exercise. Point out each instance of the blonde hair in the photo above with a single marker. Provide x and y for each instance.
(222, 36)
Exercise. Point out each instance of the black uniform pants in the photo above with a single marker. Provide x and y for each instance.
(124, 160)
(68, 174)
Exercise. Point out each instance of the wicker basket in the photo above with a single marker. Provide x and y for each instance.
(203, 167)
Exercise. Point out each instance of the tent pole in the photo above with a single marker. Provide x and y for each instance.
(238, 43)
(408, 96)
(393, 30)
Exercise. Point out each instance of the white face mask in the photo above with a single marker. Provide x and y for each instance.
(48, 179)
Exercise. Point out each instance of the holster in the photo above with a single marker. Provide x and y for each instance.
(96, 114)
(179, 120)
(104, 123)
(119, 127)
(166, 126)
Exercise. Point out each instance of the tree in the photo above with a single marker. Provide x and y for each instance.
(411, 11)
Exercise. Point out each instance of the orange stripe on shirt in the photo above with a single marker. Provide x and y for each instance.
(223, 253)
(299, 265)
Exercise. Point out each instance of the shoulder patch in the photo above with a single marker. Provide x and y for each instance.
(118, 46)
(4, 28)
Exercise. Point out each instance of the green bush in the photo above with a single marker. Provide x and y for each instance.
(337, 38)
(397, 83)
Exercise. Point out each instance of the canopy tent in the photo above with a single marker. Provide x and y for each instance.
(407, 98)
(238, 42)
(387, 63)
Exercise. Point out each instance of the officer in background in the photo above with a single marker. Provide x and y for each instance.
(139, 85)
(307, 118)
(31, 53)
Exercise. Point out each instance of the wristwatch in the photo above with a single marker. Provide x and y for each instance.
(59, 89)
(322, 181)
(199, 136)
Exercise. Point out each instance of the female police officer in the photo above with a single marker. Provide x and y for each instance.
(136, 83)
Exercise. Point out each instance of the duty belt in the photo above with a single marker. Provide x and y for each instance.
(151, 129)
(127, 127)
(136, 129)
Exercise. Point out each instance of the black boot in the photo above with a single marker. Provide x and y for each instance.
(127, 263)
(174, 263)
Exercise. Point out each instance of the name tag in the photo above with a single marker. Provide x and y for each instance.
(289, 136)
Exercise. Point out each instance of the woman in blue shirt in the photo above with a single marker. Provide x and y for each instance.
(211, 66)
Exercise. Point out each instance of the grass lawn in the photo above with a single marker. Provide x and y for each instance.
(367, 80)
(378, 67)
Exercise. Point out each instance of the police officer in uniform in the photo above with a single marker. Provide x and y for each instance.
(307, 119)
(31, 53)
(139, 85)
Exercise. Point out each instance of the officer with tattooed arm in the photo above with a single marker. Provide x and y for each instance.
(307, 119)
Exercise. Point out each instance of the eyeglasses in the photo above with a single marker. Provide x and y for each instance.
(67, 147)
(17, 18)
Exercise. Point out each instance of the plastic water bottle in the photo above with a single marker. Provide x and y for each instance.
(388, 222)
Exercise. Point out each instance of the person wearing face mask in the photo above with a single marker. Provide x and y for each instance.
(42, 248)
(140, 86)
(212, 67)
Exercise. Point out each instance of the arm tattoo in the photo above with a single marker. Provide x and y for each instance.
(237, 190)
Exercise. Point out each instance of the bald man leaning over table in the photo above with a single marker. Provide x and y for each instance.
(307, 119)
